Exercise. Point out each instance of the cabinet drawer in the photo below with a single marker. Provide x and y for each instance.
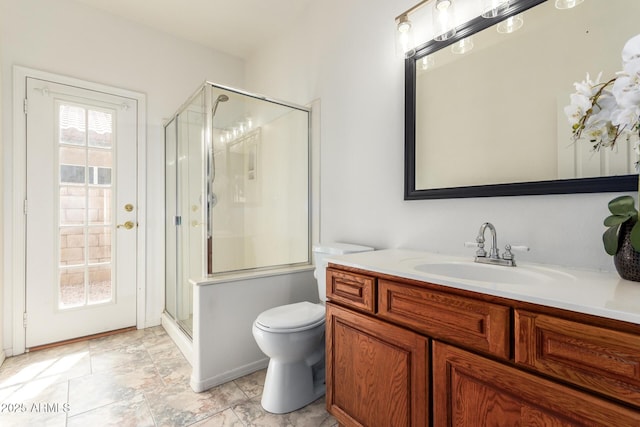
(599, 359)
(471, 323)
(352, 289)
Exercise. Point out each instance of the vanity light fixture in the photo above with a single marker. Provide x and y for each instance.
(462, 46)
(510, 25)
(443, 20)
(405, 45)
(493, 8)
(567, 4)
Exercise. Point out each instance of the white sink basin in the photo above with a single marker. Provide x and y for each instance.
(461, 270)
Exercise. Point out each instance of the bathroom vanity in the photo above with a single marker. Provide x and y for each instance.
(527, 345)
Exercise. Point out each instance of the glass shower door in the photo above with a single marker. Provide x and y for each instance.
(185, 209)
(260, 214)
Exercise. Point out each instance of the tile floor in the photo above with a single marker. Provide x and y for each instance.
(135, 379)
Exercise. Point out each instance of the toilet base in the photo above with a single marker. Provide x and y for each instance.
(290, 386)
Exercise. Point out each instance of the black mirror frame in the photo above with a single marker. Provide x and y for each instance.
(619, 183)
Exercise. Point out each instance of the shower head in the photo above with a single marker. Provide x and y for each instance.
(219, 99)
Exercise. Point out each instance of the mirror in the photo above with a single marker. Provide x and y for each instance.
(491, 122)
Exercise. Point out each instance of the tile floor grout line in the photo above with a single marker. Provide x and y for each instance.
(146, 402)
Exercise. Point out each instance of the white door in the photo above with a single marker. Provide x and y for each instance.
(81, 212)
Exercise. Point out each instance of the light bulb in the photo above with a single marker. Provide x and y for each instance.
(443, 5)
(405, 47)
(427, 62)
(443, 20)
(462, 46)
(567, 4)
(493, 8)
(511, 24)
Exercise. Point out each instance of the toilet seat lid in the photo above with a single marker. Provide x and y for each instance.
(300, 315)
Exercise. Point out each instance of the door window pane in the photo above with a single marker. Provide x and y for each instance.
(72, 201)
(72, 125)
(72, 246)
(100, 129)
(100, 202)
(71, 286)
(100, 289)
(99, 176)
(72, 174)
(104, 176)
(99, 242)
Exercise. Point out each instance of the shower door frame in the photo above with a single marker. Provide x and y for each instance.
(209, 170)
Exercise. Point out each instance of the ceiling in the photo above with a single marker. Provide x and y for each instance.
(236, 27)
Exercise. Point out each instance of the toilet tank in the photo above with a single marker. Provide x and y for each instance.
(321, 252)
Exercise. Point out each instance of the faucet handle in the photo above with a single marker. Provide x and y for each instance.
(480, 245)
(508, 255)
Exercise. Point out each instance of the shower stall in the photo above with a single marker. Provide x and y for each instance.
(237, 185)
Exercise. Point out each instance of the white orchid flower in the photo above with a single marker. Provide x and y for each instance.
(631, 49)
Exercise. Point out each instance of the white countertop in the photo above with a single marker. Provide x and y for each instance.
(583, 291)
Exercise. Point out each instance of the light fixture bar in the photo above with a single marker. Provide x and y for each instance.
(412, 9)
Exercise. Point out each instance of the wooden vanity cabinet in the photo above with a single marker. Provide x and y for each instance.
(377, 373)
(406, 353)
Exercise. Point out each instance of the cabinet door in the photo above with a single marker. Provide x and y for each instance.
(377, 373)
(470, 390)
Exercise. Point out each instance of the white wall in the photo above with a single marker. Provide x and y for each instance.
(69, 38)
(343, 52)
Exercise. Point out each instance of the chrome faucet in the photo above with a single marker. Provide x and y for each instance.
(494, 256)
(493, 252)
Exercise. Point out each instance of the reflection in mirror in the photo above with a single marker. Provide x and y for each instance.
(485, 113)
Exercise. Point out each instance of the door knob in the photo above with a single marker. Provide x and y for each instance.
(128, 225)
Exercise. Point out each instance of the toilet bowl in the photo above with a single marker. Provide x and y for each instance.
(292, 336)
(295, 376)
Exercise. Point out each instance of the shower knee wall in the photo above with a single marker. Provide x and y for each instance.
(223, 314)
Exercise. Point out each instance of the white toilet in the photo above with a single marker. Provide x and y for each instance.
(293, 337)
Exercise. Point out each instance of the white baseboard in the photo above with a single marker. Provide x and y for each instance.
(185, 345)
(2, 357)
(156, 321)
(202, 385)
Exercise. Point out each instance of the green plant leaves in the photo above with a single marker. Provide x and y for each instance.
(612, 220)
(635, 236)
(610, 240)
(622, 209)
(623, 205)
